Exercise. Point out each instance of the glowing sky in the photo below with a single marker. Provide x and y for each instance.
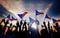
(20, 6)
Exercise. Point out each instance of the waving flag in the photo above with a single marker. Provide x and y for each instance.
(38, 13)
(31, 20)
(22, 15)
(47, 17)
(8, 16)
(13, 18)
(54, 20)
(58, 20)
(37, 22)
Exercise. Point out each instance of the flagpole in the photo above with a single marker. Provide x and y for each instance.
(44, 20)
(35, 17)
(36, 20)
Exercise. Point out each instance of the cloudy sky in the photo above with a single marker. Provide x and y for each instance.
(50, 7)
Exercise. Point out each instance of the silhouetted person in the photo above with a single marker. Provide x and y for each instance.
(24, 26)
(24, 33)
(21, 22)
(49, 30)
(48, 26)
(44, 32)
(51, 33)
(10, 25)
(7, 22)
(3, 20)
(20, 25)
(9, 31)
(17, 24)
(17, 33)
(57, 34)
(1, 28)
(45, 25)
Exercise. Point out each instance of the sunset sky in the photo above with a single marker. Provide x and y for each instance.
(50, 7)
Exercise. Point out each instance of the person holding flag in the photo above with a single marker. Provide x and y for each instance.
(37, 13)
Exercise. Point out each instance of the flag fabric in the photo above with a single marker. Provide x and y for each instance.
(8, 16)
(58, 20)
(54, 20)
(13, 18)
(47, 17)
(31, 20)
(38, 13)
(22, 15)
(37, 22)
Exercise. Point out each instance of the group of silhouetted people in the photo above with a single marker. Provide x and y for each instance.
(22, 31)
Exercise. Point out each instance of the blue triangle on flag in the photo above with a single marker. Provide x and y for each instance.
(8, 16)
(54, 20)
(37, 13)
(31, 20)
(37, 22)
(13, 18)
(20, 15)
(46, 16)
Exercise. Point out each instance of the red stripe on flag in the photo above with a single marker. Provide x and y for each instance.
(24, 13)
(41, 13)
(58, 20)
